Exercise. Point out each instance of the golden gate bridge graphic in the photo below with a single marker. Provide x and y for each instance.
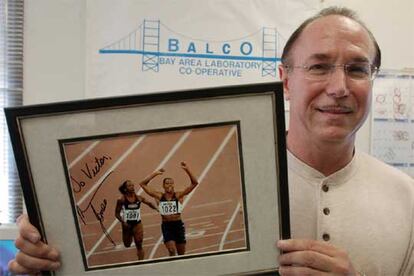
(147, 40)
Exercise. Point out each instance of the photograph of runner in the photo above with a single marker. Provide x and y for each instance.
(128, 212)
(170, 204)
(131, 194)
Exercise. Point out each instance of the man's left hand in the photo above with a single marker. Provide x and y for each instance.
(311, 257)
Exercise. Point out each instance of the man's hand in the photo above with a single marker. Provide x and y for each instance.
(34, 255)
(310, 257)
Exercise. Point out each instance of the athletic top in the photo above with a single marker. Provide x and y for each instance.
(132, 211)
(169, 207)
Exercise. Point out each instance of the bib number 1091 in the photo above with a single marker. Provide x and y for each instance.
(131, 215)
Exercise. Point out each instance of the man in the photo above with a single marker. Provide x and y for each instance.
(170, 207)
(350, 214)
(354, 214)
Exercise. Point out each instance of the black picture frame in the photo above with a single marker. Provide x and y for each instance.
(40, 133)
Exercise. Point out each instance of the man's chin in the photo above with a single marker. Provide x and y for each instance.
(336, 134)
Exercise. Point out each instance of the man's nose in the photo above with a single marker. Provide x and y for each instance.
(337, 85)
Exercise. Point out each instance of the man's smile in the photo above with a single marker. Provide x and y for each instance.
(335, 109)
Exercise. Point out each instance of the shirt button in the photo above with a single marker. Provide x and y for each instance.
(326, 237)
(325, 188)
(326, 211)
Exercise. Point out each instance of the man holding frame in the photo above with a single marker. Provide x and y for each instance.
(351, 214)
(345, 205)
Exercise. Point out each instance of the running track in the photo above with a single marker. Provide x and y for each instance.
(213, 213)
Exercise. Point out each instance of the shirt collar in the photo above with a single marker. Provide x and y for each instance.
(307, 172)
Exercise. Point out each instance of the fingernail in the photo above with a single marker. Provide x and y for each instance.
(19, 218)
(281, 243)
(33, 237)
(54, 266)
(54, 255)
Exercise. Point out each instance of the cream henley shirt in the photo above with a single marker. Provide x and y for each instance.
(366, 208)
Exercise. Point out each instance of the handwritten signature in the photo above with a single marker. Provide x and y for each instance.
(89, 172)
(99, 163)
(99, 212)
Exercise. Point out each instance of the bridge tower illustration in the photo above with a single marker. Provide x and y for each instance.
(151, 45)
(269, 51)
(145, 40)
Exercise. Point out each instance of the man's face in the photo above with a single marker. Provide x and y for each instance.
(333, 109)
(168, 185)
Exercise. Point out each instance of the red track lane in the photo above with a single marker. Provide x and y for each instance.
(206, 214)
(76, 149)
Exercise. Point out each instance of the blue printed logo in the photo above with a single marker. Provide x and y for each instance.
(160, 46)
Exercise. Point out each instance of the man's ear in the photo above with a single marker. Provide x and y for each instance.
(283, 75)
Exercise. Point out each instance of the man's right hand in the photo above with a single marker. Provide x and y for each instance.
(34, 255)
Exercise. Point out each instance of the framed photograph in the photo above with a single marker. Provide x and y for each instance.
(180, 182)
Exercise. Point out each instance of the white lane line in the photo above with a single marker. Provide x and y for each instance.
(116, 164)
(101, 239)
(209, 204)
(170, 153)
(213, 246)
(163, 162)
(206, 216)
(219, 234)
(200, 179)
(233, 217)
(210, 228)
(174, 149)
(85, 152)
(202, 223)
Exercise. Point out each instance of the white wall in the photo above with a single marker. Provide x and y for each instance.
(54, 52)
(54, 63)
(392, 24)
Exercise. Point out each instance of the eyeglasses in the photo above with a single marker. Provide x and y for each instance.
(362, 71)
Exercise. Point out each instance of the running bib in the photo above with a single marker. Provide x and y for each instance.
(132, 215)
(169, 208)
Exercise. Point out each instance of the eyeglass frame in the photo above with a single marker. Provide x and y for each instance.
(373, 70)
